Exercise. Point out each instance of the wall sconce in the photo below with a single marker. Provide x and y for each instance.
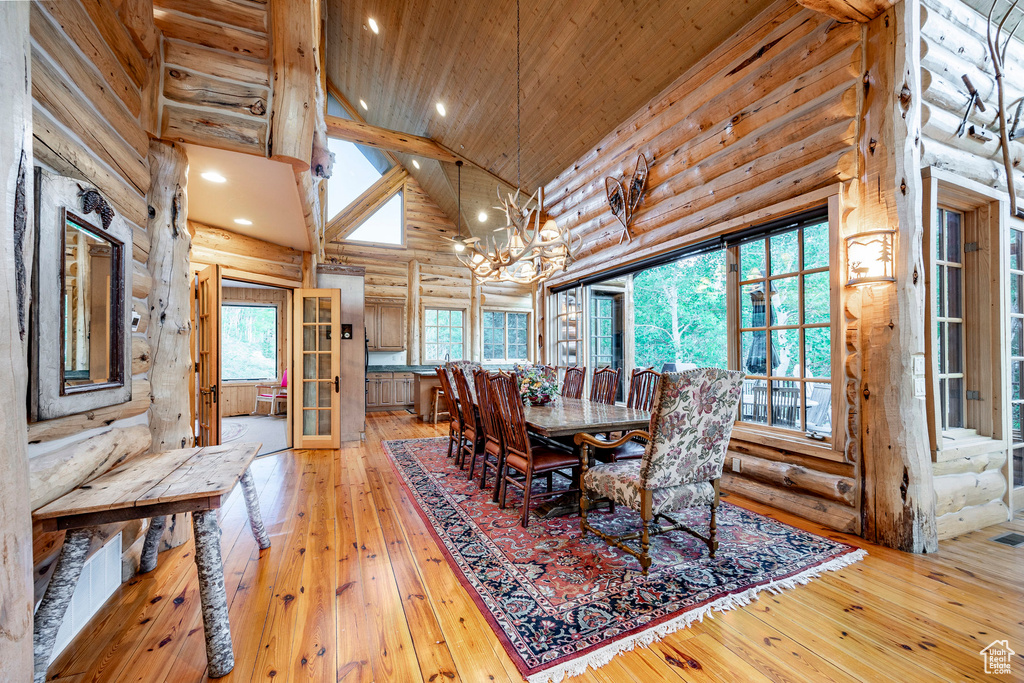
(869, 257)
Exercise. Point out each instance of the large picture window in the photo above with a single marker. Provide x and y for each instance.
(506, 336)
(760, 301)
(249, 342)
(949, 316)
(568, 328)
(785, 330)
(444, 333)
(1017, 352)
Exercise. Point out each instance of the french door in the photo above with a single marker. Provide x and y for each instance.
(317, 387)
(208, 300)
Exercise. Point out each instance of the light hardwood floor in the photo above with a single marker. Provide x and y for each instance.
(354, 589)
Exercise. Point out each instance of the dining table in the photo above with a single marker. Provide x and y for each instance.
(563, 419)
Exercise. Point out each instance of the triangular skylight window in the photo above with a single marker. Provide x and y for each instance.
(356, 168)
(384, 226)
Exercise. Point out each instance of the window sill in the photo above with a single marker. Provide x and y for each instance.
(789, 443)
(964, 444)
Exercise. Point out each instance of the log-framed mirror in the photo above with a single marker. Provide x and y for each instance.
(81, 312)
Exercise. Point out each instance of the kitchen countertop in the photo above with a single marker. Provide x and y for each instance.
(423, 369)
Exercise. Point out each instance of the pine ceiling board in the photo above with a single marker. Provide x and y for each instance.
(587, 65)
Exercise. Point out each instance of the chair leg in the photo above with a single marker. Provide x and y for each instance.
(713, 531)
(646, 514)
(499, 477)
(504, 488)
(451, 442)
(472, 460)
(526, 498)
(550, 482)
(611, 506)
(584, 506)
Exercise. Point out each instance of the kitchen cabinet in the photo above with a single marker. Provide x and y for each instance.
(385, 326)
(389, 390)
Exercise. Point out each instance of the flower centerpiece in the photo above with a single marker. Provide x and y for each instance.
(536, 388)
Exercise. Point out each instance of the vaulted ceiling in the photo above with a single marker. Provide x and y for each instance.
(587, 65)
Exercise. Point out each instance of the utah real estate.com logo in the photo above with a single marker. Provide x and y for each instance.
(997, 657)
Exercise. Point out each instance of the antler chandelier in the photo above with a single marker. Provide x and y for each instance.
(530, 252)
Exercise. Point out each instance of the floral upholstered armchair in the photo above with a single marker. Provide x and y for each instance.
(691, 423)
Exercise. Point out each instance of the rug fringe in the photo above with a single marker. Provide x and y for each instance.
(602, 656)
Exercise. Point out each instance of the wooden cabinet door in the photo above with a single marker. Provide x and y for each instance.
(387, 392)
(370, 318)
(391, 333)
(372, 393)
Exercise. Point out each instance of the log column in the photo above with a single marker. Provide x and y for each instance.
(16, 239)
(170, 328)
(899, 505)
(59, 591)
(220, 658)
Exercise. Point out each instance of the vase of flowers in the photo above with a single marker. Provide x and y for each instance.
(536, 389)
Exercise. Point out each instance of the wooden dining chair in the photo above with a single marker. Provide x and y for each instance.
(548, 371)
(572, 383)
(472, 435)
(521, 456)
(490, 422)
(605, 385)
(687, 440)
(454, 422)
(643, 387)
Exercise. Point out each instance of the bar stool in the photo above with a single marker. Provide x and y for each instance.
(436, 397)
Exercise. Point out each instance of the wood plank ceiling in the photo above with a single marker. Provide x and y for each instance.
(587, 65)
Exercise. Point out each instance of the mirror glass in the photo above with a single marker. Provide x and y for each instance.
(90, 267)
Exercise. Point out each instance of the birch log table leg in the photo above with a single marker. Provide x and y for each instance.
(220, 658)
(252, 504)
(151, 546)
(54, 604)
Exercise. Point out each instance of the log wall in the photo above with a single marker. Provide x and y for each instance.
(769, 117)
(215, 74)
(425, 273)
(971, 486)
(92, 78)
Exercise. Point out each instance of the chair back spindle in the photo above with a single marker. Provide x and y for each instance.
(505, 394)
(488, 418)
(605, 385)
(572, 383)
(643, 387)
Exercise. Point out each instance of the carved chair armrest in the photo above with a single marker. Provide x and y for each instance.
(591, 440)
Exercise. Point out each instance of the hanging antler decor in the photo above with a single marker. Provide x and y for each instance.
(530, 252)
(998, 54)
(624, 202)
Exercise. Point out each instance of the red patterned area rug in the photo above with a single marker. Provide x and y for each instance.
(560, 604)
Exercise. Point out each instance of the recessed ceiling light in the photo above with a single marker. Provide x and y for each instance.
(482, 217)
(243, 221)
(373, 25)
(214, 177)
(441, 110)
(362, 103)
(415, 163)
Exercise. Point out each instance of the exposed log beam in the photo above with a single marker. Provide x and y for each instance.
(365, 204)
(374, 136)
(860, 11)
(293, 116)
(356, 116)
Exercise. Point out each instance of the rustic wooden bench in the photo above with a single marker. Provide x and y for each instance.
(192, 480)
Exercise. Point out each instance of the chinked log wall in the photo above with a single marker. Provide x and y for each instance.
(425, 273)
(91, 76)
(969, 490)
(215, 73)
(770, 116)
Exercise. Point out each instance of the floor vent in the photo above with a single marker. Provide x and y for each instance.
(1014, 540)
(101, 575)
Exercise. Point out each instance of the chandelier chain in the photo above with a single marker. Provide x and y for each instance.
(519, 147)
